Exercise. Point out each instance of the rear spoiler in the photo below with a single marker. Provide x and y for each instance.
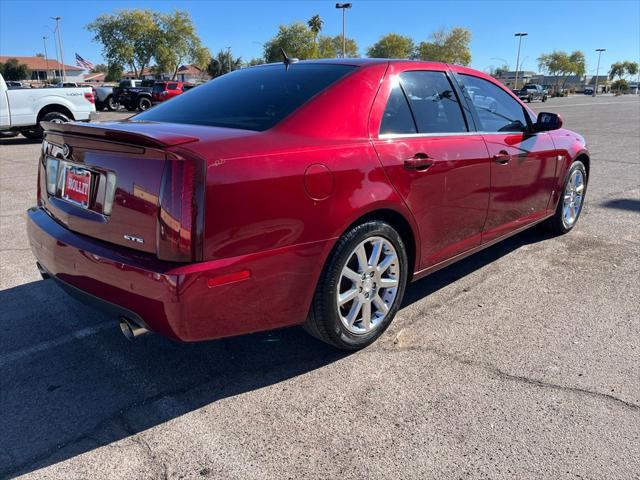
(146, 134)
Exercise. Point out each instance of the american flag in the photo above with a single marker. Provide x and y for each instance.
(81, 62)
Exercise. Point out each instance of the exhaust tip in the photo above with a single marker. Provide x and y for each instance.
(131, 330)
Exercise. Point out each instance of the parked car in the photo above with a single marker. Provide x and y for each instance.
(134, 94)
(532, 92)
(307, 193)
(588, 90)
(22, 109)
(105, 98)
(13, 84)
(166, 90)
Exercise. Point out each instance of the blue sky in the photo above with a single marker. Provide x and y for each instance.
(244, 24)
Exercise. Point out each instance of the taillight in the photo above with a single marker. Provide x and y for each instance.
(179, 233)
(89, 97)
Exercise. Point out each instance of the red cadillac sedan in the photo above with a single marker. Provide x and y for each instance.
(298, 193)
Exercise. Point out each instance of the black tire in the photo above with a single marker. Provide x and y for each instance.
(144, 103)
(544, 98)
(36, 133)
(9, 134)
(112, 105)
(529, 99)
(32, 134)
(557, 224)
(324, 321)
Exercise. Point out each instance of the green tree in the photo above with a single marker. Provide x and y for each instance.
(498, 71)
(223, 62)
(100, 68)
(622, 70)
(315, 24)
(179, 44)
(114, 73)
(129, 37)
(296, 40)
(393, 45)
(255, 61)
(331, 47)
(447, 47)
(557, 64)
(14, 70)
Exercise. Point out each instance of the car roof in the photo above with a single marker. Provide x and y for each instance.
(358, 62)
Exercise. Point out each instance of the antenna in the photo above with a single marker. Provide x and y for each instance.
(287, 60)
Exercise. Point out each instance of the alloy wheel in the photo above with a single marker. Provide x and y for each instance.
(368, 285)
(573, 197)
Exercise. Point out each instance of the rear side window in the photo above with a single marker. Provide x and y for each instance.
(172, 86)
(397, 118)
(433, 102)
(158, 87)
(423, 102)
(497, 110)
(254, 98)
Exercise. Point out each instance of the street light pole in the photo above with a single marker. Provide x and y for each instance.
(599, 50)
(519, 35)
(229, 58)
(46, 58)
(64, 73)
(343, 7)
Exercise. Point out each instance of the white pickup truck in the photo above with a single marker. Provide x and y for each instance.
(22, 109)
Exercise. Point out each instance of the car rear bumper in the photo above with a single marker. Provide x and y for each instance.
(183, 302)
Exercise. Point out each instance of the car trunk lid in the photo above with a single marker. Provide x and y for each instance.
(121, 183)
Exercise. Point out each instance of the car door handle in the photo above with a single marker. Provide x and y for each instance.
(420, 161)
(502, 157)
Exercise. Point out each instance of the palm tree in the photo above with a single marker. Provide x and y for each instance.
(315, 25)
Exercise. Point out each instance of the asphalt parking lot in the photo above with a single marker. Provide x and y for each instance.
(522, 361)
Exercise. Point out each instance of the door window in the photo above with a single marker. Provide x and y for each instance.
(496, 109)
(433, 102)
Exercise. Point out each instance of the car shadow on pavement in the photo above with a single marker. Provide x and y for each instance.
(629, 204)
(441, 278)
(19, 140)
(70, 382)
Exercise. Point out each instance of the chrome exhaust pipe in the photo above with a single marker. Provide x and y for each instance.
(131, 330)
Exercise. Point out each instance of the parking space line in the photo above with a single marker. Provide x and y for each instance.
(56, 342)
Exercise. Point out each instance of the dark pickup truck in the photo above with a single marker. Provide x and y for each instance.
(134, 94)
(532, 92)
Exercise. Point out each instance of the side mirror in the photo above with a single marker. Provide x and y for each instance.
(547, 121)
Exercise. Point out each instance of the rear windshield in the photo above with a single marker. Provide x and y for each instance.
(251, 99)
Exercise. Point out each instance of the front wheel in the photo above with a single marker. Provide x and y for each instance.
(544, 98)
(571, 201)
(361, 287)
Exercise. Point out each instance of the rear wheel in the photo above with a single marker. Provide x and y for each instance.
(361, 287)
(571, 201)
(112, 105)
(144, 103)
(37, 132)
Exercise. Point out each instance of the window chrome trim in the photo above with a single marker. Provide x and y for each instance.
(388, 136)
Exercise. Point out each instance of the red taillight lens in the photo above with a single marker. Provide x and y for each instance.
(89, 97)
(181, 210)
